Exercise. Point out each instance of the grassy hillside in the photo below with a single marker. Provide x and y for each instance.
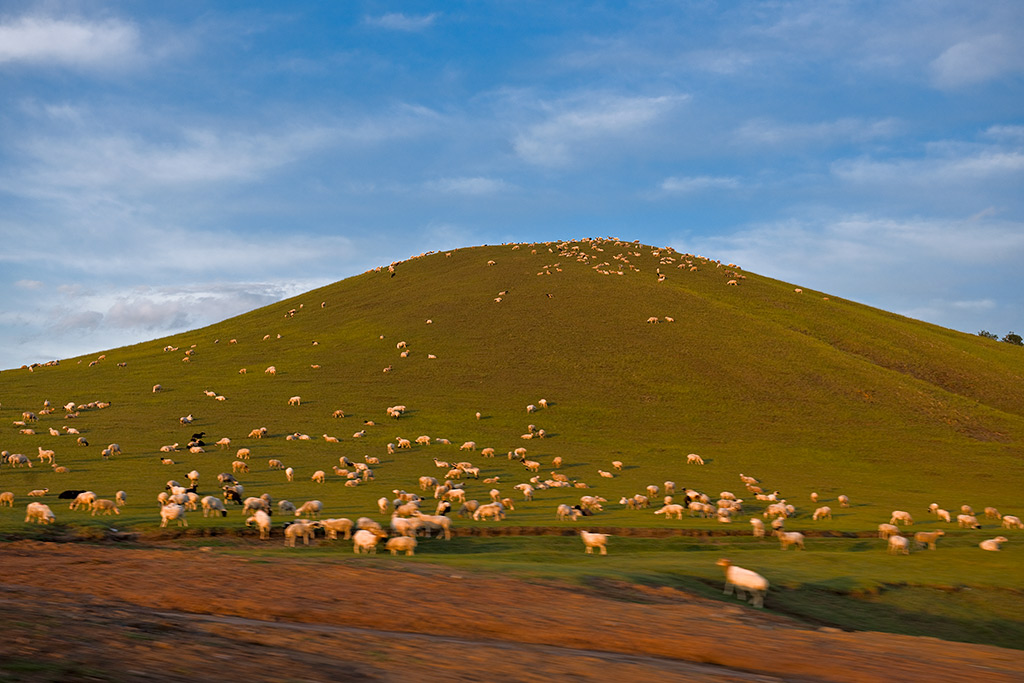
(803, 390)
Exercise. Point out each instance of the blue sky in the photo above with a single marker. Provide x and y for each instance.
(167, 165)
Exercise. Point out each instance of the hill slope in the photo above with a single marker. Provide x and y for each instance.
(806, 391)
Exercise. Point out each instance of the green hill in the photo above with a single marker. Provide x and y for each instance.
(802, 390)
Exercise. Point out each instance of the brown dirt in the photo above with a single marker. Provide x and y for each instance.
(73, 611)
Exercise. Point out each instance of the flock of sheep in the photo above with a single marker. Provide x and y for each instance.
(446, 485)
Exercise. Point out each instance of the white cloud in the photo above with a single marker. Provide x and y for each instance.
(467, 186)
(977, 60)
(972, 167)
(397, 21)
(74, 43)
(690, 184)
(589, 120)
(28, 284)
(841, 131)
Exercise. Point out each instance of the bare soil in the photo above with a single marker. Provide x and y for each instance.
(77, 612)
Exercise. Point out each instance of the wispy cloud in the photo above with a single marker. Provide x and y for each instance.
(73, 43)
(397, 21)
(587, 120)
(467, 186)
(977, 60)
(691, 184)
(840, 131)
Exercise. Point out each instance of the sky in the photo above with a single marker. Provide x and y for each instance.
(164, 166)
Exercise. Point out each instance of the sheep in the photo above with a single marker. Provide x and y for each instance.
(252, 504)
(172, 511)
(966, 509)
(565, 512)
(83, 499)
(333, 525)
(261, 519)
(594, 540)
(338, 413)
(40, 513)
(365, 540)
(490, 511)
(898, 545)
(240, 466)
(286, 506)
(744, 581)
(814, 497)
(294, 401)
(844, 501)
(45, 455)
(104, 506)
(275, 464)
(990, 513)
(532, 465)
(901, 517)
(790, 538)
(38, 493)
(300, 528)
(887, 530)
(943, 515)
(225, 478)
(526, 489)
(1012, 522)
(258, 433)
(270, 371)
(822, 512)
(319, 476)
(758, 527)
(468, 446)
(694, 459)
(213, 505)
(967, 522)
(19, 460)
(992, 543)
(7, 498)
(311, 508)
(928, 539)
(406, 544)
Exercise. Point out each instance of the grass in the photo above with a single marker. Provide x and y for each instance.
(805, 391)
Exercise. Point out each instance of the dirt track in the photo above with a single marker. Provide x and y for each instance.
(82, 612)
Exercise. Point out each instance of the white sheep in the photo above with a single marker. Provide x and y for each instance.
(294, 401)
(333, 525)
(366, 540)
(7, 498)
(790, 538)
(901, 517)
(898, 545)
(822, 512)
(694, 459)
(844, 501)
(670, 510)
(311, 508)
(928, 539)
(594, 540)
(1012, 522)
(172, 511)
(104, 506)
(967, 522)
(286, 506)
(744, 581)
(38, 493)
(289, 472)
(261, 519)
(300, 528)
(565, 512)
(82, 500)
(406, 544)
(431, 523)
(992, 543)
(40, 513)
(319, 476)
(887, 530)
(992, 513)
(214, 505)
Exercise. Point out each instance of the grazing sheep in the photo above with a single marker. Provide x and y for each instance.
(82, 500)
(319, 476)
(790, 538)
(887, 530)
(822, 512)
(745, 581)
(594, 540)
(493, 511)
(172, 511)
(270, 371)
(7, 498)
(405, 544)
(240, 466)
(943, 515)
(275, 464)
(261, 519)
(928, 539)
(673, 509)
(758, 527)
(901, 517)
(1012, 522)
(468, 446)
(844, 501)
(898, 545)
(565, 512)
(104, 506)
(38, 493)
(366, 540)
(213, 505)
(694, 459)
(333, 525)
(992, 543)
(294, 401)
(40, 513)
(992, 513)
(966, 509)
(311, 508)
(300, 528)
(286, 506)
(967, 522)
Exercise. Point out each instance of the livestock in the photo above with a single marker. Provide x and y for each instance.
(83, 499)
(213, 505)
(670, 510)
(1012, 522)
(967, 522)
(38, 493)
(319, 476)
(300, 528)
(406, 544)
(565, 512)
(311, 508)
(294, 401)
(333, 525)
(901, 517)
(40, 513)
(104, 506)
(275, 464)
(7, 498)
(822, 512)
(990, 512)
(844, 501)
(744, 581)
(992, 543)
(240, 466)
(261, 519)
(493, 511)
(790, 538)
(468, 446)
(594, 540)
(286, 506)
(758, 527)
(898, 545)
(887, 530)
(366, 540)
(928, 539)
(172, 511)
(694, 459)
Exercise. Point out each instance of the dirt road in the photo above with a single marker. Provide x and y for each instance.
(73, 611)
